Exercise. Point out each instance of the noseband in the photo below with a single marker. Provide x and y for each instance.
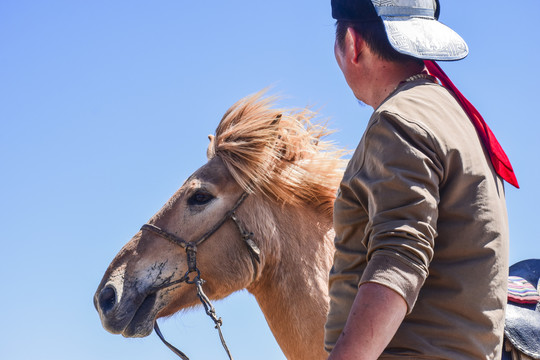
(191, 254)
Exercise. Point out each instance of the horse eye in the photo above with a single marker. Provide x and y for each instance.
(200, 198)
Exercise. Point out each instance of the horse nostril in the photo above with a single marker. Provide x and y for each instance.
(107, 299)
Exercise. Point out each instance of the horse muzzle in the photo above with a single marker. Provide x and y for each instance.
(131, 317)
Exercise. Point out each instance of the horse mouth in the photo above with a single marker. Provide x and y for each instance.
(142, 323)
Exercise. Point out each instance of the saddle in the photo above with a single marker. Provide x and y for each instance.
(522, 326)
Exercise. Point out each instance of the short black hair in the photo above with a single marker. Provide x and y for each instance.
(374, 34)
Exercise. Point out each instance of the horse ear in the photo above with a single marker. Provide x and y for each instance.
(210, 151)
(276, 120)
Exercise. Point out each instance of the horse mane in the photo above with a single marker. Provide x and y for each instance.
(279, 153)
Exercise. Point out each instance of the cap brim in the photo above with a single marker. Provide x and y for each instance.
(426, 39)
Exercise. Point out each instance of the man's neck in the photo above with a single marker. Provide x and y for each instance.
(383, 79)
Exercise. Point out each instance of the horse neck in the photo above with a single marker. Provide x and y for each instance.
(292, 290)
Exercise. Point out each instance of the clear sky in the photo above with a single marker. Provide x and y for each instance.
(105, 108)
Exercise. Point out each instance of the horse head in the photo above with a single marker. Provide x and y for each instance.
(142, 282)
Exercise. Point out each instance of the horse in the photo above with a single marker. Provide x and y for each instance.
(271, 180)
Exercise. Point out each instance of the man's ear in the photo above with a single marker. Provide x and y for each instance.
(354, 45)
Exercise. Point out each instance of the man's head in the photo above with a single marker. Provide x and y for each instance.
(394, 27)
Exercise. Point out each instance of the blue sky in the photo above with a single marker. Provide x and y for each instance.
(93, 92)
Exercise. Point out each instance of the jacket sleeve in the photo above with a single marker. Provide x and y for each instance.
(399, 181)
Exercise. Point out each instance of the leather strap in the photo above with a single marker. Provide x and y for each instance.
(168, 344)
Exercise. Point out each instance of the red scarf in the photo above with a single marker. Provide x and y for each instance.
(498, 157)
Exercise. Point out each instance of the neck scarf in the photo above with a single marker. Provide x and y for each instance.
(498, 157)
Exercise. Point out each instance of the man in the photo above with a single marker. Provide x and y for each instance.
(420, 269)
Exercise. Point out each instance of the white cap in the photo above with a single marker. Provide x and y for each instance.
(413, 29)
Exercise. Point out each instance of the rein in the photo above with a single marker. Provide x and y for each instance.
(191, 255)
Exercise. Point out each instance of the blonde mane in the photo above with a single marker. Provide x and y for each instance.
(279, 153)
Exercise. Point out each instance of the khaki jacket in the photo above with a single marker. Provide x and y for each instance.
(421, 211)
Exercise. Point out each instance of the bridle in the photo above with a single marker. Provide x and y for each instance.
(191, 254)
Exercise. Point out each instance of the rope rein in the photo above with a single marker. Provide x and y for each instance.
(210, 311)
